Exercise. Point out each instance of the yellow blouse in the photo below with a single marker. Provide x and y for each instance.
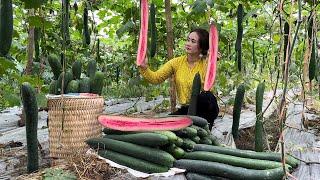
(183, 75)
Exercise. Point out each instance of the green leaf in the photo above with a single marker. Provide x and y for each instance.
(125, 28)
(210, 3)
(32, 4)
(199, 7)
(38, 21)
(5, 65)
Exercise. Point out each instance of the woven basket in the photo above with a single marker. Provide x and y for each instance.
(80, 123)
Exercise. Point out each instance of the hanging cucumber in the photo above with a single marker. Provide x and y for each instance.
(310, 27)
(65, 22)
(285, 41)
(86, 32)
(117, 74)
(30, 107)
(312, 63)
(238, 101)
(37, 34)
(254, 56)
(238, 48)
(6, 26)
(153, 29)
(259, 118)
(98, 51)
(196, 87)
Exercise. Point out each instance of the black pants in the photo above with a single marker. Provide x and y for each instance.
(207, 108)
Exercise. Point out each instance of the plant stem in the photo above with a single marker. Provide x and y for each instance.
(286, 75)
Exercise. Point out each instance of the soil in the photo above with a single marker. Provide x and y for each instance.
(246, 138)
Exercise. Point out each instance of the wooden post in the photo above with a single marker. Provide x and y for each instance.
(170, 51)
(28, 70)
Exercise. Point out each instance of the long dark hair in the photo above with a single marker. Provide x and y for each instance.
(203, 40)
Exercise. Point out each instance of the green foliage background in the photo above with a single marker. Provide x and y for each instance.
(116, 24)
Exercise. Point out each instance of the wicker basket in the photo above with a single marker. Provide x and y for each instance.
(67, 136)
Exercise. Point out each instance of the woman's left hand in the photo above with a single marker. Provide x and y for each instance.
(219, 55)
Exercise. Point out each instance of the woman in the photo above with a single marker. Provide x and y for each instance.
(184, 68)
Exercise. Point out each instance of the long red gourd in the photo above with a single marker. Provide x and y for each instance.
(123, 123)
(212, 60)
(143, 38)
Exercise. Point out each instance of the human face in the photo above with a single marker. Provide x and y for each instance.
(192, 44)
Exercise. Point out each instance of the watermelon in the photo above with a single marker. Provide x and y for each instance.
(123, 123)
(212, 60)
(143, 38)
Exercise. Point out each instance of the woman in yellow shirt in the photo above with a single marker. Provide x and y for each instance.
(184, 68)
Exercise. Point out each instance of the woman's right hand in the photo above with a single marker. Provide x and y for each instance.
(144, 65)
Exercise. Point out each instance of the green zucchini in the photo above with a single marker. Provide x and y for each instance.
(30, 107)
(153, 29)
(196, 87)
(132, 162)
(144, 139)
(55, 65)
(188, 144)
(65, 21)
(146, 153)
(232, 160)
(76, 69)
(259, 118)
(98, 59)
(196, 139)
(91, 68)
(196, 176)
(228, 171)
(53, 89)
(271, 156)
(240, 15)
(179, 142)
(187, 132)
(72, 87)
(196, 120)
(312, 63)
(177, 153)
(286, 29)
(171, 136)
(67, 78)
(199, 121)
(84, 85)
(205, 140)
(97, 83)
(37, 34)
(238, 101)
(200, 131)
(214, 140)
(86, 32)
(6, 26)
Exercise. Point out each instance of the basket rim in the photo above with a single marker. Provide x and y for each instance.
(59, 97)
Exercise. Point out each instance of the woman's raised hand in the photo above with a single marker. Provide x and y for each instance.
(144, 65)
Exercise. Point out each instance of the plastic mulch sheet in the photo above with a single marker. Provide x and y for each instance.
(138, 174)
(303, 143)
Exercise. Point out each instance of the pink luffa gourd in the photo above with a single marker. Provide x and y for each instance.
(143, 38)
(212, 59)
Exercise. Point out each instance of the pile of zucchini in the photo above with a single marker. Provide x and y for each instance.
(141, 151)
(192, 148)
(72, 81)
(198, 133)
(211, 162)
